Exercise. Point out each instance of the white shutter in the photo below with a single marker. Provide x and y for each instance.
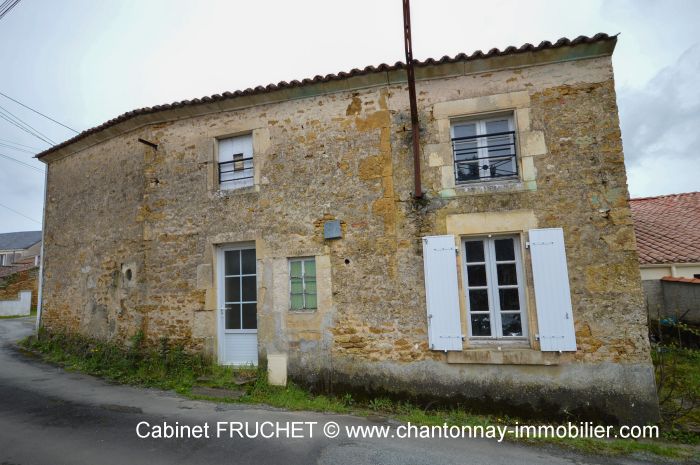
(554, 315)
(441, 293)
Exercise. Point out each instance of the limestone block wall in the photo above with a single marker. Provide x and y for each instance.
(131, 235)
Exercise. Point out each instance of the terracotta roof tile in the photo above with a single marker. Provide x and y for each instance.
(667, 228)
(526, 48)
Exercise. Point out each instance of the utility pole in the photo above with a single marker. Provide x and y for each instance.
(415, 129)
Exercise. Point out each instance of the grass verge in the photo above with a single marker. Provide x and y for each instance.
(170, 367)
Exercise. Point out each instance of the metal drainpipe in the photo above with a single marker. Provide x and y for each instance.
(415, 129)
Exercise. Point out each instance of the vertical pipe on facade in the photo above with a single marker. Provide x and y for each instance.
(418, 191)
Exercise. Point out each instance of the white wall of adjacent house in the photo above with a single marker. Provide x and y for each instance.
(21, 306)
(676, 270)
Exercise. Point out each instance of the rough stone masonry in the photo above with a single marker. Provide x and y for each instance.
(131, 232)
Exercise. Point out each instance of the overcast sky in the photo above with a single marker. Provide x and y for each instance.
(83, 62)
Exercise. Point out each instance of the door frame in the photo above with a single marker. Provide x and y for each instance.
(220, 299)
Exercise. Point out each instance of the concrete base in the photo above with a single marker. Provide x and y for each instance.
(277, 369)
(607, 392)
(20, 307)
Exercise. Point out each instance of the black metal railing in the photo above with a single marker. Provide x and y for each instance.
(485, 157)
(236, 166)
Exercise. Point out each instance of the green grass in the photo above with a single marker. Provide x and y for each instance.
(170, 367)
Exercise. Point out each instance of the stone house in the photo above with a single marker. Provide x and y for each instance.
(283, 220)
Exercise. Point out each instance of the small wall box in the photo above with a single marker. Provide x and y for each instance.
(331, 230)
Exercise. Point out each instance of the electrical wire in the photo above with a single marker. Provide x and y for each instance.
(21, 162)
(7, 10)
(21, 145)
(2, 144)
(12, 119)
(20, 214)
(38, 112)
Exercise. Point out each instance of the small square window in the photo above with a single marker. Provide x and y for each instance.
(484, 149)
(302, 284)
(236, 162)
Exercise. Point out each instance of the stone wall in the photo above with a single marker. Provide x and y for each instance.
(25, 280)
(131, 235)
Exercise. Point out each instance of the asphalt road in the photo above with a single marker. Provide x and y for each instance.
(51, 417)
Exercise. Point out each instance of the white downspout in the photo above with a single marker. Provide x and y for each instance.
(41, 261)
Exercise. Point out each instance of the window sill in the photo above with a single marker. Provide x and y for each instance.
(225, 193)
(491, 187)
(504, 356)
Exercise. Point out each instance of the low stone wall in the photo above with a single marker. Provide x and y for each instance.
(673, 297)
(17, 307)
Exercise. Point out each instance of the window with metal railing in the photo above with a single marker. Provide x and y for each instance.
(484, 149)
(236, 162)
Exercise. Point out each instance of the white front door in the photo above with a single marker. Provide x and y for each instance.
(238, 316)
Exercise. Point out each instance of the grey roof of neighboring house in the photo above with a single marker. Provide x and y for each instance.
(19, 240)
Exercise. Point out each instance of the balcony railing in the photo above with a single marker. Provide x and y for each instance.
(238, 169)
(485, 157)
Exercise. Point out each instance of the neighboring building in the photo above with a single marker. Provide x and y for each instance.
(20, 253)
(282, 220)
(18, 247)
(668, 239)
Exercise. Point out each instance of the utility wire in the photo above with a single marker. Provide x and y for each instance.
(2, 144)
(21, 162)
(38, 112)
(18, 144)
(20, 214)
(3, 12)
(7, 116)
(17, 119)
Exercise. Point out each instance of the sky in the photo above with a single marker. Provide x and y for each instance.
(83, 62)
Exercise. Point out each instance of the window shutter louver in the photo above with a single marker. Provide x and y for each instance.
(441, 293)
(552, 295)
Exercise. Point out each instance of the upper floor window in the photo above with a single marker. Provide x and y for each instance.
(494, 287)
(236, 162)
(484, 149)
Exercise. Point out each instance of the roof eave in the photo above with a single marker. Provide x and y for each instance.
(527, 55)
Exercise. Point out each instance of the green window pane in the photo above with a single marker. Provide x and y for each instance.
(296, 286)
(295, 269)
(310, 268)
(310, 300)
(297, 302)
(310, 286)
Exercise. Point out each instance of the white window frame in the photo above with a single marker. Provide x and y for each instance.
(241, 173)
(302, 260)
(481, 142)
(493, 286)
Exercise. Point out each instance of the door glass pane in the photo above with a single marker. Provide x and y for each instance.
(295, 269)
(506, 274)
(249, 289)
(475, 251)
(476, 275)
(310, 300)
(248, 260)
(310, 268)
(478, 300)
(481, 325)
(467, 171)
(509, 299)
(504, 249)
(232, 260)
(250, 319)
(233, 289)
(511, 324)
(500, 144)
(233, 316)
(465, 149)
